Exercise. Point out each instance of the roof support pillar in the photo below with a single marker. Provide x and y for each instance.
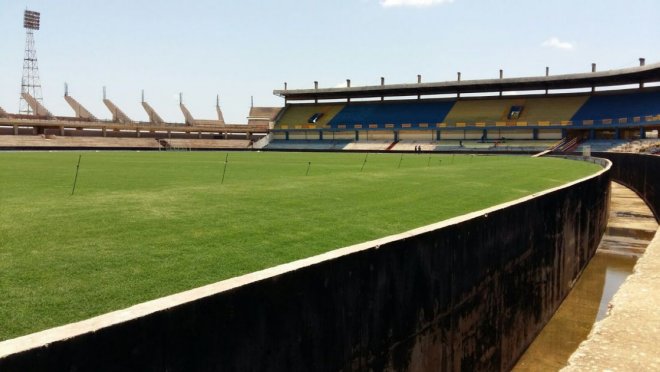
(501, 77)
(593, 69)
(458, 95)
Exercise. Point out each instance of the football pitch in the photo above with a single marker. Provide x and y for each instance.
(142, 225)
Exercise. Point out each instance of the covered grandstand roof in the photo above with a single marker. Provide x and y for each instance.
(634, 75)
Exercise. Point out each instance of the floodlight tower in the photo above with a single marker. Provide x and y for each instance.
(30, 83)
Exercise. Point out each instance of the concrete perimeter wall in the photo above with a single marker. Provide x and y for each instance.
(638, 172)
(465, 294)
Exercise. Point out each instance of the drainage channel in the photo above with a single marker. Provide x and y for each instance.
(631, 227)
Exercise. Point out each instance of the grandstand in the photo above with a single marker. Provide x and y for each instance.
(121, 131)
(486, 122)
(619, 108)
(536, 118)
(204, 144)
(43, 130)
(47, 142)
(50, 141)
(263, 117)
(622, 113)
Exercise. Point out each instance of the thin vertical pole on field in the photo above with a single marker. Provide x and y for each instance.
(309, 165)
(400, 160)
(225, 169)
(75, 180)
(364, 162)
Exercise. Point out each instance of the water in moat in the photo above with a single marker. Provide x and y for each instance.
(586, 304)
(631, 226)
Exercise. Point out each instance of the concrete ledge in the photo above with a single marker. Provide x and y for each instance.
(467, 293)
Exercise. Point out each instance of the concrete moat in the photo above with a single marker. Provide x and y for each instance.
(631, 227)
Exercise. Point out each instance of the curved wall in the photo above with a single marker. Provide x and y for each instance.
(641, 173)
(466, 294)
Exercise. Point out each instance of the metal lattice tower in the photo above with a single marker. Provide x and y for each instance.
(30, 83)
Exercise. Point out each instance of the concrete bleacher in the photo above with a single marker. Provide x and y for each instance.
(493, 146)
(177, 143)
(638, 146)
(51, 141)
(309, 145)
(263, 116)
(398, 114)
(480, 111)
(428, 113)
(472, 145)
(409, 145)
(54, 141)
(297, 116)
(601, 145)
(368, 145)
(578, 109)
(616, 106)
(552, 110)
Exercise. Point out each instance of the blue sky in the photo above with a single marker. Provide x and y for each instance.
(248, 48)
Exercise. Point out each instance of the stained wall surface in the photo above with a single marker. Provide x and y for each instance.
(639, 172)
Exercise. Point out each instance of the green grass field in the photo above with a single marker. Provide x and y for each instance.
(144, 225)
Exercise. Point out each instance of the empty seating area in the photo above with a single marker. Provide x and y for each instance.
(262, 117)
(601, 145)
(530, 111)
(63, 142)
(649, 146)
(307, 145)
(392, 114)
(199, 144)
(561, 110)
(369, 145)
(51, 141)
(622, 108)
(302, 116)
(449, 145)
(481, 111)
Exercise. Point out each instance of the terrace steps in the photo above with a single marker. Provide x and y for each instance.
(50, 141)
(91, 142)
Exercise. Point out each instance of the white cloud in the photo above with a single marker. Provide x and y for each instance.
(554, 42)
(412, 3)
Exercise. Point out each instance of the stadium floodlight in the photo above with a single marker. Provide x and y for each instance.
(30, 83)
(31, 20)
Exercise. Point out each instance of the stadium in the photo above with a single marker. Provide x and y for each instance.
(421, 226)
(606, 119)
